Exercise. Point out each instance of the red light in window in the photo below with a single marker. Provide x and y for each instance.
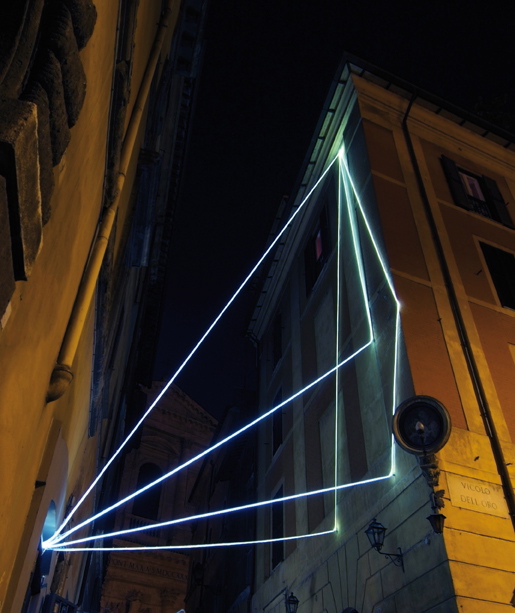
(318, 246)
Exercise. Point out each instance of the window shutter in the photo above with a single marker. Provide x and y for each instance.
(494, 197)
(455, 184)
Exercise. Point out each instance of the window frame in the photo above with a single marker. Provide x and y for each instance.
(500, 265)
(492, 206)
(317, 251)
(277, 530)
(277, 339)
(277, 423)
(147, 505)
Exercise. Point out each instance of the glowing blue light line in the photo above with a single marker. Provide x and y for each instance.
(357, 253)
(262, 503)
(55, 543)
(367, 225)
(198, 545)
(59, 537)
(194, 350)
(253, 505)
(61, 545)
(392, 291)
(395, 374)
(337, 350)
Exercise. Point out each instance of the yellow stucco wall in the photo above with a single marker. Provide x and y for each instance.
(478, 542)
(40, 309)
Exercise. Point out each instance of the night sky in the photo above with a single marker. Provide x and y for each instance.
(266, 71)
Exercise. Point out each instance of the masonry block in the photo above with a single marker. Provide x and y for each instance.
(84, 17)
(36, 93)
(48, 74)
(60, 38)
(19, 31)
(19, 165)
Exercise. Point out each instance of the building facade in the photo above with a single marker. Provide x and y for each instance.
(392, 285)
(177, 430)
(95, 107)
(221, 579)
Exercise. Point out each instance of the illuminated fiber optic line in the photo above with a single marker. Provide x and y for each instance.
(341, 156)
(347, 179)
(395, 371)
(61, 546)
(56, 543)
(198, 517)
(195, 348)
(358, 259)
(343, 164)
(357, 251)
(199, 545)
(337, 348)
(363, 285)
(387, 277)
(60, 537)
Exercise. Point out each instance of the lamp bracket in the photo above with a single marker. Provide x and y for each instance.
(396, 558)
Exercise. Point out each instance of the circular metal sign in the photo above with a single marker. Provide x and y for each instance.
(421, 425)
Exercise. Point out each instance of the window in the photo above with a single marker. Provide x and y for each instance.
(278, 529)
(277, 339)
(501, 265)
(316, 253)
(277, 423)
(57, 604)
(147, 504)
(476, 193)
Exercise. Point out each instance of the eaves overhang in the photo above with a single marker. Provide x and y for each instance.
(324, 147)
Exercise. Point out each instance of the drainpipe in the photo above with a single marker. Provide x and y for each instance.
(484, 407)
(62, 373)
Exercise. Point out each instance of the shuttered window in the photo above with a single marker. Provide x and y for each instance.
(476, 193)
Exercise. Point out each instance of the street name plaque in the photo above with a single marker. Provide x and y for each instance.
(477, 495)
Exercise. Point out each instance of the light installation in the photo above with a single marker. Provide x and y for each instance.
(348, 194)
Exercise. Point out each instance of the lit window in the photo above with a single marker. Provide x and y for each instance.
(316, 253)
(476, 193)
(472, 186)
(319, 251)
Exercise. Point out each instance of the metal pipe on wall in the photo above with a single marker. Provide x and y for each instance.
(62, 373)
(477, 384)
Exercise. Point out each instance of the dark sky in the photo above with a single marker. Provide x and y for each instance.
(266, 72)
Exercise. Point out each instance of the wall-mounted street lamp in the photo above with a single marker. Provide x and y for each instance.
(292, 603)
(436, 519)
(375, 533)
(422, 426)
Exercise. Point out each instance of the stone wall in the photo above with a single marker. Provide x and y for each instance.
(42, 90)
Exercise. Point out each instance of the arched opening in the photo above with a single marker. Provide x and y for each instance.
(49, 528)
(43, 561)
